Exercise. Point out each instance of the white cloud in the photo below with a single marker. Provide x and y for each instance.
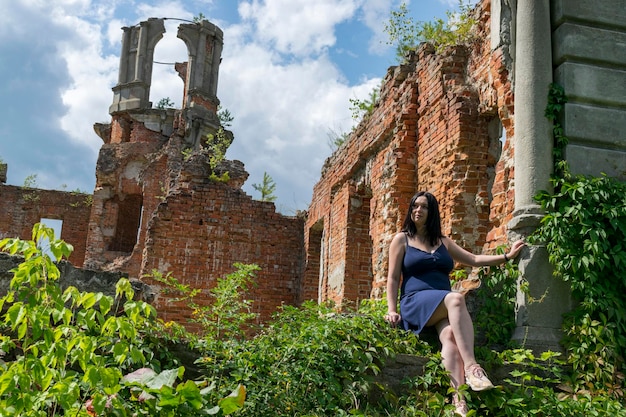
(283, 113)
(299, 27)
(93, 74)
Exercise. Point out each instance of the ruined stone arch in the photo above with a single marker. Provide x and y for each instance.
(204, 42)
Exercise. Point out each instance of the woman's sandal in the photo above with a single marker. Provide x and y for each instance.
(460, 406)
(476, 378)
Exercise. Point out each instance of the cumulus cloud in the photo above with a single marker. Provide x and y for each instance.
(298, 27)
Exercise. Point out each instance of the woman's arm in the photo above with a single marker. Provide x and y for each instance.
(397, 248)
(468, 258)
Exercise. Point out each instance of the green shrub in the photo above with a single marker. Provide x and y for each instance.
(67, 352)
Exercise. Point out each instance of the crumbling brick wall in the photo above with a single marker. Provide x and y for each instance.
(22, 207)
(228, 227)
(437, 127)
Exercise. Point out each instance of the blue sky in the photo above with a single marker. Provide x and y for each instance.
(289, 69)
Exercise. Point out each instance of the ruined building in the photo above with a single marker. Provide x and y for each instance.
(466, 123)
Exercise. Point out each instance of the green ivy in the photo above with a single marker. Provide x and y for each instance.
(584, 231)
(495, 319)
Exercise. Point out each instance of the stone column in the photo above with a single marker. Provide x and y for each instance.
(132, 91)
(538, 322)
(204, 43)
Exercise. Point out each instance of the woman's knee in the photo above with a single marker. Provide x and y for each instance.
(446, 337)
(455, 300)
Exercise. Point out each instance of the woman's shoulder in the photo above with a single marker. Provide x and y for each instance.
(400, 236)
(399, 239)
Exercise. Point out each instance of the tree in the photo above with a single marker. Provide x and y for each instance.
(199, 18)
(266, 188)
(224, 116)
(165, 103)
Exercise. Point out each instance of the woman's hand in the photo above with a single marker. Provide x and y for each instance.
(515, 249)
(393, 318)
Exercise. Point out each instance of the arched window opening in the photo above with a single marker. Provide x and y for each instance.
(167, 88)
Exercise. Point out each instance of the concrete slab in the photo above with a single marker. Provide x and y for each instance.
(595, 125)
(587, 160)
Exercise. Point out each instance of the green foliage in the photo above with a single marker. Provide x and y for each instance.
(314, 361)
(532, 389)
(363, 108)
(199, 18)
(336, 139)
(496, 317)
(67, 352)
(224, 116)
(227, 312)
(406, 34)
(30, 181)
(556, 104)
(584, 231)
(217, 145)
(266, 188)
(165, 103)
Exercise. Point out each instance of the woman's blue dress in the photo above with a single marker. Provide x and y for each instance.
(425, 283)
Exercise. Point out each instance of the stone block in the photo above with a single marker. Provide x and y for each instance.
(587, 160)
(592, 84)
(577, 42)
(598, 12)
(595, 125)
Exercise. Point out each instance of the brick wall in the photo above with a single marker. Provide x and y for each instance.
(198, 233)
(437, 127)
(22, 207)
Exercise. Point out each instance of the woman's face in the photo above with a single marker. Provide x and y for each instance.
(419, 211)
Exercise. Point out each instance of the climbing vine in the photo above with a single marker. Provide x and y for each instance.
(584, 231)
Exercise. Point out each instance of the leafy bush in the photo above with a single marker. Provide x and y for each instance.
(73, 353)
(314, 361)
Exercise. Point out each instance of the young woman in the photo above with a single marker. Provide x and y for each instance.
(422, 258)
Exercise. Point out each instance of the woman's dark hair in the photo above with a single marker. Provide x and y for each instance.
(433, 221)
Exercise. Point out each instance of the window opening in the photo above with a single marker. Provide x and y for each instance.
(57, 226)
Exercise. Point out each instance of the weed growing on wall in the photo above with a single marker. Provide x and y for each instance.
(217, 145)
(361, 109)
(406, 34)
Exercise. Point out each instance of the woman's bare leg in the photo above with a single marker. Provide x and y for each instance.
(453, 363)
(453, 309)
(450, 356)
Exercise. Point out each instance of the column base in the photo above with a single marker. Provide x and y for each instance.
(539, 339)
